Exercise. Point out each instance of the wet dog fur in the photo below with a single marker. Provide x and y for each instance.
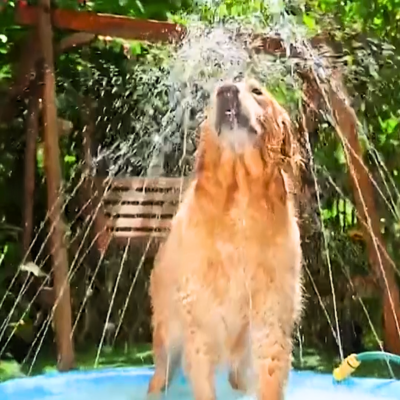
(226, 285)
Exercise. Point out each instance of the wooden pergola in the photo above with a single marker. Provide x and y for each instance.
(87, 26)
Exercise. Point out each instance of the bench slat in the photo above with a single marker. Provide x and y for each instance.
(126, 220)
(136, 196)
(137, 210)
(149, 223)
(138, 234)
(146, 183)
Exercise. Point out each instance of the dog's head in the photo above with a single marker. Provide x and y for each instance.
(243, 116)
(247, 139)
(246, 145)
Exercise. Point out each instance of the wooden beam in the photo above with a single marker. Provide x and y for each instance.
(104, 24)
(62, 312)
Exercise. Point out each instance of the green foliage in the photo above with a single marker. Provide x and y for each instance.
(380, 17)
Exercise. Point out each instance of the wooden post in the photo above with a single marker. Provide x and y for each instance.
(382, 267)
(62, 314)
(365, 204)
(32, 130)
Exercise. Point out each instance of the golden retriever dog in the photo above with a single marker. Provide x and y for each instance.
(226, 285)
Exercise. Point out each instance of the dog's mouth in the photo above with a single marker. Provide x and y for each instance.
(229, 113)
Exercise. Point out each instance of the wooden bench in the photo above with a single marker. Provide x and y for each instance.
(141, 207)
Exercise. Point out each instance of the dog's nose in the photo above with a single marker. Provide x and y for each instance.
(228, 90)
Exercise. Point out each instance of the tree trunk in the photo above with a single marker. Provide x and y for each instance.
(62, 313)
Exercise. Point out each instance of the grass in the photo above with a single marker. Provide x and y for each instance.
(141, 355)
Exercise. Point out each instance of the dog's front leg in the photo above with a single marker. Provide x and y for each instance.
(166, 354)
(199, 365)
(271, 350)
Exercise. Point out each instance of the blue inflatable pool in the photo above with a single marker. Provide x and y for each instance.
(131, 384)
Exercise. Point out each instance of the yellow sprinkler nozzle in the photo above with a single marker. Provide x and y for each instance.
(346, 368)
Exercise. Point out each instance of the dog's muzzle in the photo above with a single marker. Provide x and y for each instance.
(229, 113)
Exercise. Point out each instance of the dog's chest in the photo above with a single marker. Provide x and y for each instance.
(253, 246)
(242, 234)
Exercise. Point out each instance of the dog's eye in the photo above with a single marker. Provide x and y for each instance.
(256, 91)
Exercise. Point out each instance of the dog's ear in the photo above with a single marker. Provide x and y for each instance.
(278, 185)
(199, 158)
(290, 154)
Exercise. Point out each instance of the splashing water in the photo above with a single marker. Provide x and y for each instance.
(206, 56)
(209, 53)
